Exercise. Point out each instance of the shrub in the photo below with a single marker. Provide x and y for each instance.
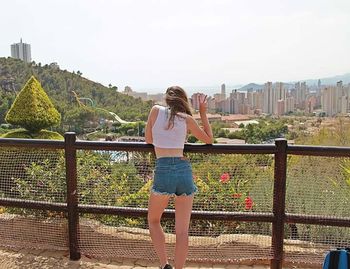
(42, 134)
(32, 108)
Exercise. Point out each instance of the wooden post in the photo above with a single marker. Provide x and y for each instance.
(72, 194)
(279, 200)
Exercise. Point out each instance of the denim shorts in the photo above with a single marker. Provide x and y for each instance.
(173, 176)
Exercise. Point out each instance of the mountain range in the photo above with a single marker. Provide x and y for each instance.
(310, 82)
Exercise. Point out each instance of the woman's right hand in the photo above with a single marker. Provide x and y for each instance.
(205, 134)
(203, 102)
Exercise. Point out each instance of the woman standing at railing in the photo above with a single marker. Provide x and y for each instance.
(167, 128)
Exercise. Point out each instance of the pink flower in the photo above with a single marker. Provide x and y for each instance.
(224, 178)
(248, 203)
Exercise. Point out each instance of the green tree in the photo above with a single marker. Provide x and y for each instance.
(79, 118)
(235, 135)
(222, 133)
(4, 105)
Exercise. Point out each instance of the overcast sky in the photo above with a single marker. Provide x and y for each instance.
(150, 45)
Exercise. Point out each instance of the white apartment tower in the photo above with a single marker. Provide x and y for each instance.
(342, 98)
(195, 100)
(268, 107)
(21, 51)
(335, 99)
(290, 104)
(258, 100)
(301, 93)
(280, 95)
(223, 91)
(328, 101)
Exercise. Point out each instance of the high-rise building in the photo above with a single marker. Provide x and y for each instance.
(290, 104)
(211, 104)
(250, 97)
(280, 94)
(21, 51)
(280, 107)
(195, 100)
(301, 93)
(268, 107)
(258, 100)
(344, 104)
(335, 99)
(234, 95)
(304, 91)
(223, 90)
(328, 101)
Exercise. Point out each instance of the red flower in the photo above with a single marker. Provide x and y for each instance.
(248, 203)
(237, 195)
(225, 177)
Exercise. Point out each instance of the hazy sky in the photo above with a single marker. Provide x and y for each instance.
(150, 45)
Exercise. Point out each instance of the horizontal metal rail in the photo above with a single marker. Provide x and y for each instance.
(32, 204)
(319, 151)
(31, 143)
(170, 213)
(137, 146)
(318, 220)
(193, 148)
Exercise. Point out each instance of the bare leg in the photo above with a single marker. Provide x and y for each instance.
(183, 208)
(156, 206)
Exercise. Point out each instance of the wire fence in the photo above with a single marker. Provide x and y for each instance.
(238, 212)
(318, 186)
(127, 240)
(226, 183)
(35, 174)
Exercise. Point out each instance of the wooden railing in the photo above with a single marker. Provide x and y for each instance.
(278, 217)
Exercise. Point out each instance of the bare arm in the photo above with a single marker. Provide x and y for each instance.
(150, 122)
(205, 134)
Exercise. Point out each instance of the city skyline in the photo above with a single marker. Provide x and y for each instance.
(271, 99)
(150, 45)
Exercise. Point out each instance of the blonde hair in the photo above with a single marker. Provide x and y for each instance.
(177, 101)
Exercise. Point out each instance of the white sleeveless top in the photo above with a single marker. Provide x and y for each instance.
(174, 137)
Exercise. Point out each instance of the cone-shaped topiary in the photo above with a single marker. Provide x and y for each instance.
(33, 109)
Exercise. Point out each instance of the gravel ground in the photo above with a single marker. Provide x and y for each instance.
(37, 259)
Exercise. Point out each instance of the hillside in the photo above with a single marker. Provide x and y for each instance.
(59, 85)
(310, 82)
(330, 80)
(252, 86)
(255, 87)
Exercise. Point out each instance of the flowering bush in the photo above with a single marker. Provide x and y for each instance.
(224, 178)
(227, 183)
(248, 203)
